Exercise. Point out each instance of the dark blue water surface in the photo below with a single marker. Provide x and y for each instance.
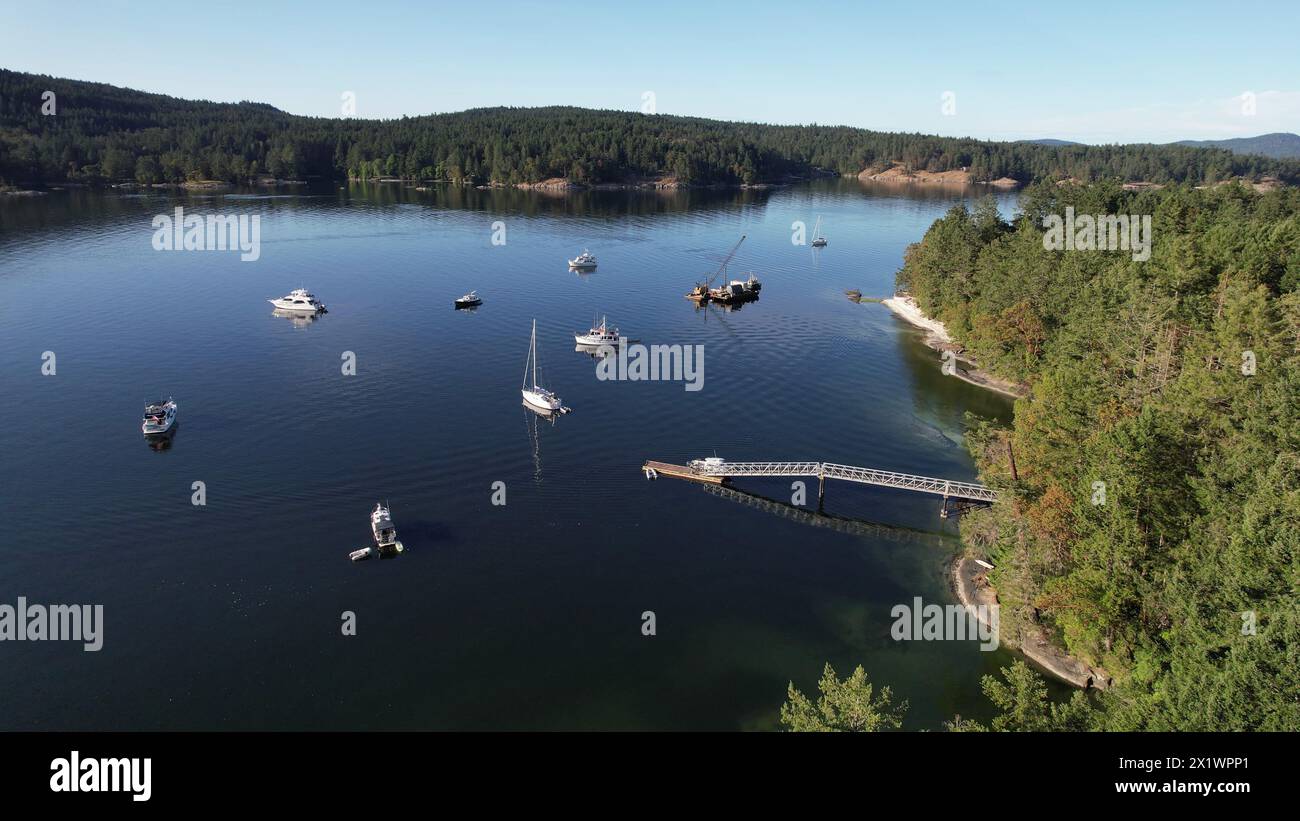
(526, 615)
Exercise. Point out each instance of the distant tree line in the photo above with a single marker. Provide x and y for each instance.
(103, 134)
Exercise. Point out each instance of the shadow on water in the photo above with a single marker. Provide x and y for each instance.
(819, 518)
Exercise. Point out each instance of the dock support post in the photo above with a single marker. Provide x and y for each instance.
(821, 492)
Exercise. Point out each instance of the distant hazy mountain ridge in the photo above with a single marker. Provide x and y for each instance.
(1278, 145)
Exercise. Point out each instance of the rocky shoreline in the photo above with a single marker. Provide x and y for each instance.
(970, 585)
(938, 338)
(897, 172)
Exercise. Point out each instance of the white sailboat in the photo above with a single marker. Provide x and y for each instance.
(818, 240)
(535, 395)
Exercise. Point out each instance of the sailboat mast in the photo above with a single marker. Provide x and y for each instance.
(534, 347)
(532, 341)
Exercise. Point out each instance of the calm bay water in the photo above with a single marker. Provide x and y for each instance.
(526, 615)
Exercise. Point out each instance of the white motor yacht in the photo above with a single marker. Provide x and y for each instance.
(299, 301)
(159, 417)
(583, 262)
(381, 524)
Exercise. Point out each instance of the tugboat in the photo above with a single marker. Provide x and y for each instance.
(599, 335)
(385, 533)
(159, 417)
(470, 300)
(299, 301)
(583, 262)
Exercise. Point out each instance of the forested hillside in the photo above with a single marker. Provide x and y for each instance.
(103, 134)
(1154, 528)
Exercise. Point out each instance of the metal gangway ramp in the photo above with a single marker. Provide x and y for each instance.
(717, 472)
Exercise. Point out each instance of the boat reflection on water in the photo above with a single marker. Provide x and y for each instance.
(299, 319)
(595, 351)
(729, 307)
(532, 421)
(549, 416)
(162, 441)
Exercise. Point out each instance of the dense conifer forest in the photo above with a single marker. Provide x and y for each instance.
(101, 134)
(1154, 524)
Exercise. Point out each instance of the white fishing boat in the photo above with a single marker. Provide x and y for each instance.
(818, 240)
(381, 524)
(534, 394)
(159, 417)
(385, 533)
(599, 335)
(583, 262)
(469, 300)
(300, 301)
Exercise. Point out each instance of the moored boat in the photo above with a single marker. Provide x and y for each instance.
(599, 335)
(534, 394)
(299, 301)
(159, 417)
(583, 262)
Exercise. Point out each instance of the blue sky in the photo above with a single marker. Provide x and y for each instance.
(1090, 71)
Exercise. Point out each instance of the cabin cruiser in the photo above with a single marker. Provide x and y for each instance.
(469, 300)
(159, 417)
(706, 465)
(385, 532)
(381, 524)
(299, 301)
(600, 334)
(583, 262)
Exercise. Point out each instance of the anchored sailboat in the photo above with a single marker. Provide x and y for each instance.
(818, 240)
(534, 394)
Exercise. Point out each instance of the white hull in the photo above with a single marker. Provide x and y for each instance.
(297, 308)
(595, 341)
(150, 428)
(541, 401)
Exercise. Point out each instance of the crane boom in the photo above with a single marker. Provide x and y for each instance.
(723, 266)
